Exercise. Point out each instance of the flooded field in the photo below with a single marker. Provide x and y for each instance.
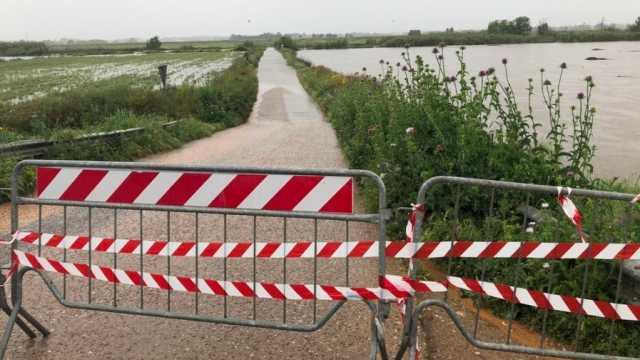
(616, 95)
(28, 78)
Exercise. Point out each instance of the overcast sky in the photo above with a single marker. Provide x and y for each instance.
(116, 19)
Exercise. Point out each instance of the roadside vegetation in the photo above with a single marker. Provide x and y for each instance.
(415, 122)
(224, 100)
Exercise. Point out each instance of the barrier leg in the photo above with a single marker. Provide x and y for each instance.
(16, 297)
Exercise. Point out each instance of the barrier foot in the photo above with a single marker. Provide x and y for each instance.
(4, 305)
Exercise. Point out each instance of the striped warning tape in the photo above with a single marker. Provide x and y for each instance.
(548, 301)
(392, 288)
(337, 249)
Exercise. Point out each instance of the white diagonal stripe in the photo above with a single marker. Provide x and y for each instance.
(108, 185)
(624, 312)
(557, 303)
(575, 251)
(60, 183)
(476, 248)
(591, 308)
(541, 251)
(441, 250)
(524, 297)
(264, 192)
(610, 251)
(508, 250)
(158, 187)
(321, 193)
(210, 189)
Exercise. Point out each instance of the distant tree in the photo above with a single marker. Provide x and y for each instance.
(450, 30)
(154, 43)
(415, 33)
(520, 25)
(635, 26)
(543, 28)
(286, 42)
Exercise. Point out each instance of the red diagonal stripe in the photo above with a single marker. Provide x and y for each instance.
(366, 293)
(54, 241)
(132, 186)
(136, 278)
(104, 245)
(156, 248)
(109, 274)
(44, 176)
(328, 249)
(83, 184)
(627, 251)
(268, 250)
(426, 249)
(303, 291)
(394, 248)
(182, 190)
(183, 249)
(360, 249)
(492, 249)
(573, 304)
(273, 291)
(237, 190)
(161, 280)
(215, 287)
(506, 292)
(33, 261)
(635, 309)
(292, 193)
(243, 288)
(85, 270)
(592, 250)
(79, 243)
(393, 289)
(238, 249)
(474, 285)
(129, 247)
(58, 267)
(31, 237)
(188, 284)
(525, 249)
(211, 249)
(342, 201)
(333, 292)
(540, 298)
(607, 310)
(298, 250)
(559, 250)
(459, 247)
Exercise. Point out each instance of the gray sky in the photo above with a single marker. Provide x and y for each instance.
(116, 19)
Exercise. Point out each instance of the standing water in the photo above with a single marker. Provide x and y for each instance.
(616, 95)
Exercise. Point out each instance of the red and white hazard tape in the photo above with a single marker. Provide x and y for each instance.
(328, 194)
(547, 301)
(571, 211)
(336, 249)
(392, 287)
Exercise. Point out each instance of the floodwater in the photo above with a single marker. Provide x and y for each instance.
(616, 95)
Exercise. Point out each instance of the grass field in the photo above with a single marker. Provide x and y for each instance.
(23, 80)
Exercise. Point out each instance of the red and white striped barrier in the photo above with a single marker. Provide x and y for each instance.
(571, 211)
(392, 287)
(325, 194)
(337, 249)
(547, 301)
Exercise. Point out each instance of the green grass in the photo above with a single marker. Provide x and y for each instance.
(429, 122)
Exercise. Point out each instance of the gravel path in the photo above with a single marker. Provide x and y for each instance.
(285, 130)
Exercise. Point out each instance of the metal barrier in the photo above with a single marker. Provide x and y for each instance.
(473, 260)
(95, 219)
